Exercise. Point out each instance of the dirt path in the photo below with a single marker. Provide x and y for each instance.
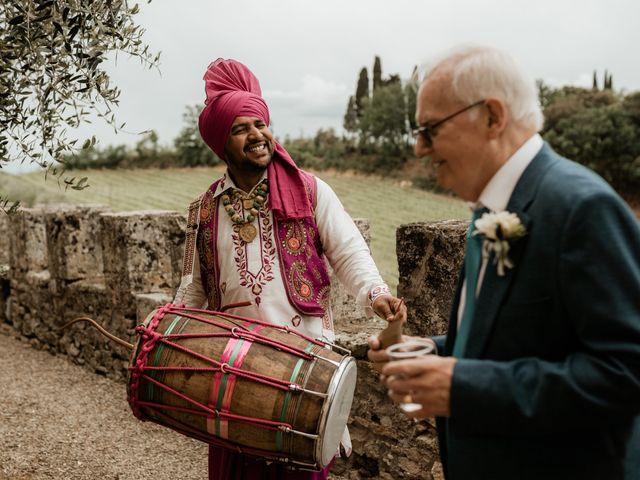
(59, 421)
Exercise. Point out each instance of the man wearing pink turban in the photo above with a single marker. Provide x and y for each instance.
(262, 235)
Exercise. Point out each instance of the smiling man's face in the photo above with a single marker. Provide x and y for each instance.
(249, 147)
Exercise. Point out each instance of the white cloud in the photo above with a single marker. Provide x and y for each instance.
(315, 96)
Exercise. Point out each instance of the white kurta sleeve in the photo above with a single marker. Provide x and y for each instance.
(344, 246)
(191, 293)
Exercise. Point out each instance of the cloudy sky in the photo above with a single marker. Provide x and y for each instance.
(307, 55)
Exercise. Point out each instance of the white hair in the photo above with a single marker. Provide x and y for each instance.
(479, 72)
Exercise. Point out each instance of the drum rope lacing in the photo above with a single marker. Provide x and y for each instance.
(150, 338)
(212, 440)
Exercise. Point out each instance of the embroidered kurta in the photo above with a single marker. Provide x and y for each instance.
(250, 272)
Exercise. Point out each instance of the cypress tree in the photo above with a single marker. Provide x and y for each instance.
(350, 121)
(377, 73)
(595, 81)
(362, 90)
(608, 81)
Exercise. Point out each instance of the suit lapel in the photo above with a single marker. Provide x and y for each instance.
(494, 287)
(492, 293)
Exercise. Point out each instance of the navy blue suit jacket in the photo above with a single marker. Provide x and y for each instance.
(549, 386)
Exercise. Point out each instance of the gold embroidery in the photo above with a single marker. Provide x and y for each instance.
(302, 288)
(296, 238)
(324, 300)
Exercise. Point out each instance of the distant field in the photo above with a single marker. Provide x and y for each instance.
(384, 202)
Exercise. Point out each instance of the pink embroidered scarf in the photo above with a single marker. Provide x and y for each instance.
(233, 91)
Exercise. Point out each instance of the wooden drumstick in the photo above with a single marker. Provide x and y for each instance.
(99, 327)
(393, 333)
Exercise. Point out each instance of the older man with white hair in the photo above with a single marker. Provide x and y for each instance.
(539, 373)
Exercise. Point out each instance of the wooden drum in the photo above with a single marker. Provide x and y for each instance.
(242, 384)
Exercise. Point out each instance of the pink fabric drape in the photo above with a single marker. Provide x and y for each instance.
(233, 91)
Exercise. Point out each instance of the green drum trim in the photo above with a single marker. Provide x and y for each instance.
(155, 360)
(287, 396)
(223, 381)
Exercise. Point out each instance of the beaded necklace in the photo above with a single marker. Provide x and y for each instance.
(252, 203)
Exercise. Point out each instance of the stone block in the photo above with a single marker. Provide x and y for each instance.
(147, 302)
(4, 239)
(32, 310)
(5, 291)
(85, 344)
(74, 242)
(142, 253)
(27, 242)
(429, 259)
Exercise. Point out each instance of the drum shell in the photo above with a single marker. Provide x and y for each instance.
(233, 394)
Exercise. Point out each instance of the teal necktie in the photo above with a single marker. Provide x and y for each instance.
(472, 262)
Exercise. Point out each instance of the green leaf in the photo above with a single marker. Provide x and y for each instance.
(81, 184)
(16, 20)
(44, 5)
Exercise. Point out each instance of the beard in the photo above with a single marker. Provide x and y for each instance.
(248, 161)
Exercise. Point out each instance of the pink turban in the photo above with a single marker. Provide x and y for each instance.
(233, 91)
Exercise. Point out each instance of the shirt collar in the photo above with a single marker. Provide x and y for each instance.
(497, 192)
(227, 183)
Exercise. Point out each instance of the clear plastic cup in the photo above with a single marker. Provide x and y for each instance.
(410, 349)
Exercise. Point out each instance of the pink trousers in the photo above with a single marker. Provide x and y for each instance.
(228, 465)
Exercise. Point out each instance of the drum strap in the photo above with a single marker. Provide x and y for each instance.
(191, 234)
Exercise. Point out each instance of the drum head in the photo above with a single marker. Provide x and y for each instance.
(343, 385)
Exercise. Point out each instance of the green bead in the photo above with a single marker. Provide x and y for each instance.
(250, 218)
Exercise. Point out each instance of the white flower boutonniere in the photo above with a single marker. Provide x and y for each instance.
(498, 230)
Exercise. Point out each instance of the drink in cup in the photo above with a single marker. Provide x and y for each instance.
(405, 350)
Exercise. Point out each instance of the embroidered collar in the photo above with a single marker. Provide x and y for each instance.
(227, 183)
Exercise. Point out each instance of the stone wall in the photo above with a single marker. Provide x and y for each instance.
(4, 239)
(429, 258)
(67, 262)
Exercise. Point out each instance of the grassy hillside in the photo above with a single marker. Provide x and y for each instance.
(384, 202)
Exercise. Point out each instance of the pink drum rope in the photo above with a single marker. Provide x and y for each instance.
(252, 320)
(223, 384)
(148, 343)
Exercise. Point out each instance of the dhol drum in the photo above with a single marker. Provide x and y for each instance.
(250, 386)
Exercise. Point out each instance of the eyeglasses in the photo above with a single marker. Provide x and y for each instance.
(427, 132)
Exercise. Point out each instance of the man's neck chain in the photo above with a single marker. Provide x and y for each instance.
(251, 203)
